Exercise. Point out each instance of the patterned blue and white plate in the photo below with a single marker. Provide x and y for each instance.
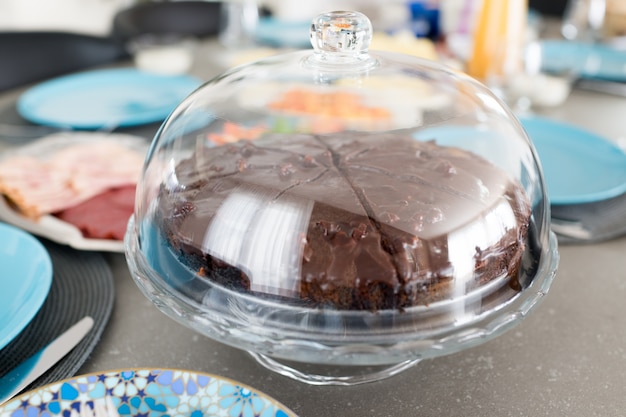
(150, 393)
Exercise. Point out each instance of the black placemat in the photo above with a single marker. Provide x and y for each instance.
(82, 285)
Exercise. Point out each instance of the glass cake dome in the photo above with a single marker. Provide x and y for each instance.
(341, 213)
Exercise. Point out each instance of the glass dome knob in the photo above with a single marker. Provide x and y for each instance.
(341, 36)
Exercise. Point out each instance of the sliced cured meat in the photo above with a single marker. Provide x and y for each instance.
(51, 183)
(35, 188)
(98, 166)
(104, 216)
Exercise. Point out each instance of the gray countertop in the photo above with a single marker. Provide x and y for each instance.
(566, 358)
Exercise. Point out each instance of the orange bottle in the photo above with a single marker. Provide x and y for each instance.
(498, 39)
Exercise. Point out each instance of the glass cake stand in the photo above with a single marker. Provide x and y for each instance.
(270, 178)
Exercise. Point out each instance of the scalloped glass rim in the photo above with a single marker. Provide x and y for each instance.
(366, 348)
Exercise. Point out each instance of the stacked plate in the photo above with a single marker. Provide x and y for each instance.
(586, 180)
(585, 175)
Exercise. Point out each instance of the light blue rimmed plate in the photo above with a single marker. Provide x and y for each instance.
(25, 280)
(579, 166)
(282, 33)
(109, 98)
(148, 392)
(583, 59)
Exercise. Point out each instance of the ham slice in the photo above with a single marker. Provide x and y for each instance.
(52, 183)
(33, 187)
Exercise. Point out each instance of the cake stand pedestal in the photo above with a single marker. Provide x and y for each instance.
(360, 374)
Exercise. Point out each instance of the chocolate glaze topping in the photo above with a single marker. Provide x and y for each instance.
(349, 221)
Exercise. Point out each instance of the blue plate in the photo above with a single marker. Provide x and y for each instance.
(282, 33)
(586, 60)
(147, 392)
(105, 99)
(579, 166)
(25, 280)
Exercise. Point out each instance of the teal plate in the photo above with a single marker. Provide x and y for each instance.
(583, 59)
(25, 280)
(282, 33)
(105, 99)
(579, 166)
(148, 392)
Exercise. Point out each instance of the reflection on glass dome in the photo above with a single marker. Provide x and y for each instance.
(343, 206)
(266, 238)
(369, 221)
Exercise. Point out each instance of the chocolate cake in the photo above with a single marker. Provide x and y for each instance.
(364, 221)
